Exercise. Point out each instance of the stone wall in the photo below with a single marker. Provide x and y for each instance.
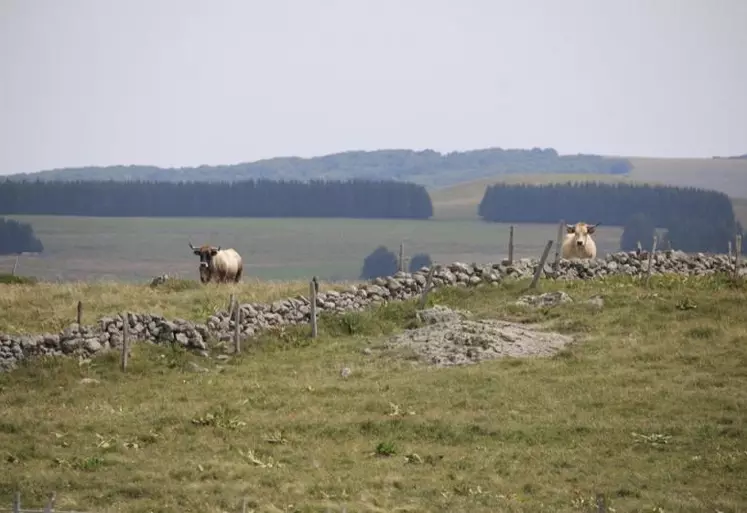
(106, 334)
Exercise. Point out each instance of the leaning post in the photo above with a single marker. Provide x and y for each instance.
(541, 266)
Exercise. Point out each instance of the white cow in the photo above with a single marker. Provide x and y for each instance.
(578, 242)
(222, 264)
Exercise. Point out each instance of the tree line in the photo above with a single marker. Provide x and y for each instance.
(695, 219)
(427, 167)
(249, 198)
(17, 237)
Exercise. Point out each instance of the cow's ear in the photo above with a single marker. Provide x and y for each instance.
(213, 252)
(591, 229)
(570, 229)
(196, 252)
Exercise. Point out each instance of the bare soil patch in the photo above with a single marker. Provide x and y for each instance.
(450, 337)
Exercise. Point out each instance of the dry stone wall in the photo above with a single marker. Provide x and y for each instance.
(107, 333)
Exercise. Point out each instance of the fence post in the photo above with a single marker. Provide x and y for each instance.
(541, 266)
(427, 288)
(730, 251)
(601, 504)
(50, 504)
(17, 502)
(125, 340)
(737, 255)
(15, 265)
(558, 245)
(511, 245)
(79, 317)
(244, 505)
(237, 328)
(651, 259)
(231, 301)
(312, 294)
(401, 256)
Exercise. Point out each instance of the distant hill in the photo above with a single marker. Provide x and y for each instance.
(460, 201)
(428, 167)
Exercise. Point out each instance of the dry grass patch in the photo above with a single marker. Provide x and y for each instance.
(648, 409)
(49, 307)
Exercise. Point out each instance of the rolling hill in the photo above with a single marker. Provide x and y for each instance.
(460, 201)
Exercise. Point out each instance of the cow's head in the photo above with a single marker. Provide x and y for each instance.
(206, 254)
(581, 232)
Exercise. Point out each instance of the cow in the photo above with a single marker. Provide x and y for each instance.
(221, 265)
(578, 242)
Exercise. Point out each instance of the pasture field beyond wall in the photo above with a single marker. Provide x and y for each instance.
(137, 249)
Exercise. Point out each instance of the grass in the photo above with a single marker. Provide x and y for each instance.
(460, 201)
(49, 307)
(647, 408)
(137, 249)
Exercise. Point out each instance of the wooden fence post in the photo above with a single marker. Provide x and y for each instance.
(237, 328)
(231, 301)
(427, 287)
(737, 255)
(50, 504)
(244, 505)
(401, 256)
(17, 502)
(601, 504)
(730, 251)
(15, 265)
(125, 340)
(558, 245)
(651, 259)
(79, 317)
(541, 266)
(511, 245)
(312, 294)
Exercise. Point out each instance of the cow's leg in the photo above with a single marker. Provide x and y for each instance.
(237, 278)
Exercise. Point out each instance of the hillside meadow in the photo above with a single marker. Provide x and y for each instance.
(651, 422)
(460, 201)
(137, 249)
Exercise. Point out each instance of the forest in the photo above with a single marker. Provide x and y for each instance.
(695, 219)
(17, 237)
(427, 167)
(250, 198)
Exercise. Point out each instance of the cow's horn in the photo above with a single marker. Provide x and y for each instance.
(191, 246)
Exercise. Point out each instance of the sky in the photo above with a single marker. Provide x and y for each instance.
(178, 83)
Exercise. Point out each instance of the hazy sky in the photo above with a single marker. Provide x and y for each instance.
(187, 82)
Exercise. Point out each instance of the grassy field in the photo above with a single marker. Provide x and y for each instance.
(50, 307)
(656, 423)
(90, 248)
(460, 201)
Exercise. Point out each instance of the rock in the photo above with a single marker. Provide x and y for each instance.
(92, 345)
(439, 314)
(545, 300)
(467, 342)
(159, 280)
(596, 302)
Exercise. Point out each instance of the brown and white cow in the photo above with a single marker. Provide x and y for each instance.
(220, 265)
(578, 242)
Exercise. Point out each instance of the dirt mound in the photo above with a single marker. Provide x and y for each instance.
(459, 341)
